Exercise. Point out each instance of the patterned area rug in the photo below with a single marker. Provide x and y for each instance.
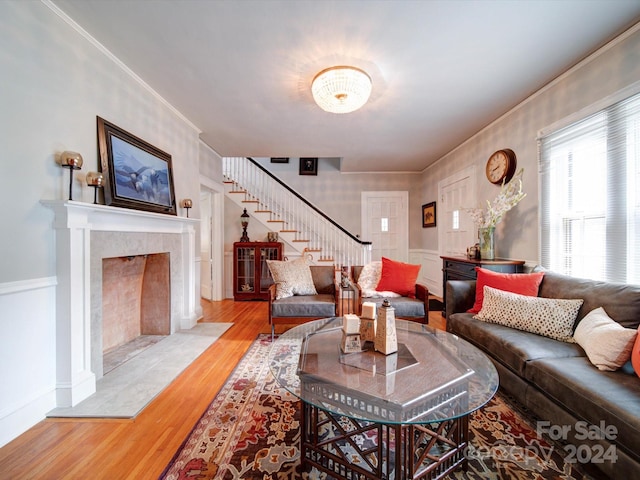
(251, 431)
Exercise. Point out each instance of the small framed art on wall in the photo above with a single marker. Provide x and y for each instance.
(429, 215)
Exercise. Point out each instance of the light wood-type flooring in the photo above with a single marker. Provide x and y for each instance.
(141, 448)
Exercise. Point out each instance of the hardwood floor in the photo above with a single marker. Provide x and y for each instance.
(142, 447)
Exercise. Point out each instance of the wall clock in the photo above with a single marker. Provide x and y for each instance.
(501, 166)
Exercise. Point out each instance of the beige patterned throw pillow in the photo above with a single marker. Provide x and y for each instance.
(292, 277)
(549, 317)
(369, 279)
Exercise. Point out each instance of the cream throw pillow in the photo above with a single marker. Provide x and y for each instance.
(549, 317)
(292, 277)
(607, 343)
(369, 279)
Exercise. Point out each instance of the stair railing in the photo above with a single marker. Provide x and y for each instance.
(325, 240)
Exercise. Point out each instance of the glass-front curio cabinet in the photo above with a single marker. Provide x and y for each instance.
(251, 276)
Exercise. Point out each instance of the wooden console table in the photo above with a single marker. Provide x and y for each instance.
(464, 268)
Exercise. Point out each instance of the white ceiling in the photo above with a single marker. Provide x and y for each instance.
(441, 70)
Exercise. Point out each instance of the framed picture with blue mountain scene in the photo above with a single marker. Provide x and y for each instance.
(138, 175)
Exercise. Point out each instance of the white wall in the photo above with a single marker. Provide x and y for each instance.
(612, 69)
(54, 83)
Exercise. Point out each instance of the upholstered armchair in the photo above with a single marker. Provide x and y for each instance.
(297, 309)
(416, 309)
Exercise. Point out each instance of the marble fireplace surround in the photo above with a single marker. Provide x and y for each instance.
(85, 234)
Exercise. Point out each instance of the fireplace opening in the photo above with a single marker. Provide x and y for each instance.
(136, 305)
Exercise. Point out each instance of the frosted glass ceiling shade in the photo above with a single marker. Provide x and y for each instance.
(341, 89)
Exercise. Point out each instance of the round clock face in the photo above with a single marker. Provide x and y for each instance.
(501, 166)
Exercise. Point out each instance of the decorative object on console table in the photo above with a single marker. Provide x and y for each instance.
(251, 275)
(187, 203)
(510, 195)
(244, 221)
(462, 268)
(429, 215)
(95, 180)
(486, 235)
(138, 175)
(72, 161)
(309, 166)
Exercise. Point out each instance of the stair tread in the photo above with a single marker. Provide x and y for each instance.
(272, 217)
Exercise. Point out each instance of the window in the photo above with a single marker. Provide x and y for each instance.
(590, 196)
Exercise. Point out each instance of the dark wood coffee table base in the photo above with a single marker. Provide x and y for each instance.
(334, 444)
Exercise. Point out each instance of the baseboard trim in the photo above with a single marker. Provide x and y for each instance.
(14, 423)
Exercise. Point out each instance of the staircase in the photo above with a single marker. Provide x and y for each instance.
(302, 226)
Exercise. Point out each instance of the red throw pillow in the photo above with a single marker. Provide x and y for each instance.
(398, 277)
(635, 354)
(520, 283)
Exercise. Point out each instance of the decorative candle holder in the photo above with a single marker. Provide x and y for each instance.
(386, 337)
(95, 180)
(72, 161)
(187, 204)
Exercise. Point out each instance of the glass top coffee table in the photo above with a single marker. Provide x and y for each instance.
(371, 416)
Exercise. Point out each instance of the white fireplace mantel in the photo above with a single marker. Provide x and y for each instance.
(74, 221)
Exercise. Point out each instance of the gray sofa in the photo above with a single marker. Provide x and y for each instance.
(556, 380)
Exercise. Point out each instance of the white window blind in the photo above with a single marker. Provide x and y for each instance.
(590, 196)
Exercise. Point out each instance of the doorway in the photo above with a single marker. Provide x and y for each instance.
(456, 230)
(211, 241)
(385, 223)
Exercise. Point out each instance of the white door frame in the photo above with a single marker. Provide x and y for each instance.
(217, 235)
(404, 229)
(470, 174)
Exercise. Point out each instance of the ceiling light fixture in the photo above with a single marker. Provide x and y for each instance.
(341, 89)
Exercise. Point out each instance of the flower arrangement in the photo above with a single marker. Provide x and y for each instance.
(509, 196)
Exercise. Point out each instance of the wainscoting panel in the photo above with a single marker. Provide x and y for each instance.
(28, 345)
(431, 271)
